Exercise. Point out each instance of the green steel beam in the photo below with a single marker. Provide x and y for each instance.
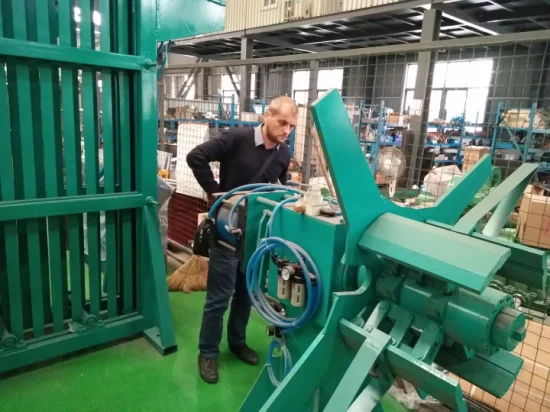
(70, 205)
(154, 281)
(72, 155)
(109, 159)
(495, 374)
(73, 55)
(436, 251)
(346, 162)
(68, 342)
(503, 199)
(526, 265)
(351, 384)
(125, 151)
(449, 207)
(403, 365)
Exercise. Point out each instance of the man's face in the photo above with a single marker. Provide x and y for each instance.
(280, 125)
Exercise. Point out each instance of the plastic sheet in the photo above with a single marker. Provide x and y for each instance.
(407, 396)
(438, 180)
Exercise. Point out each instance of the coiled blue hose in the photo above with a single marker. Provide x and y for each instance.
(286, 358)
(258, 298)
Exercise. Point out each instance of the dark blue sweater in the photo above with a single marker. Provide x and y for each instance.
(240, 159)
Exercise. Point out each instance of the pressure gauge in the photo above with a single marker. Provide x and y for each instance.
(287, 272)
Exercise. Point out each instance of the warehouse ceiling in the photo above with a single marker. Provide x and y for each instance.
(384, 25)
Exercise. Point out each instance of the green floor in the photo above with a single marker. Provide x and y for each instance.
(133, 376)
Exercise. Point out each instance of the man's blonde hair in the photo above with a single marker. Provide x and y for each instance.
(279, 102)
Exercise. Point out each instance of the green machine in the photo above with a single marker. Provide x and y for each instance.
(382, 292)
(55, 298)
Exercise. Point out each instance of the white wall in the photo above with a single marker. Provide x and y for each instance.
(246, 14)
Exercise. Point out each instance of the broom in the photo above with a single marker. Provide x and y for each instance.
(190, 277)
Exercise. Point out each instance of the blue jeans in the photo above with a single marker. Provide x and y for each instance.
(225, 280)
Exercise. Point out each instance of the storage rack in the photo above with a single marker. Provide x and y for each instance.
(381, 130)
(458, 146)
(230, 122)
(524, 149)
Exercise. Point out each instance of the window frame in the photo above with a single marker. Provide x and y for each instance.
(444, 91)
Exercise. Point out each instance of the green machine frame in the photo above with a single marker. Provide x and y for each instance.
(405, 292)
(54, 298)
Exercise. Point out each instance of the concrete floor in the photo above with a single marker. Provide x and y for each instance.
(133, 376)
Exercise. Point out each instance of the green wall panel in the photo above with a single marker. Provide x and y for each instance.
(185, 18)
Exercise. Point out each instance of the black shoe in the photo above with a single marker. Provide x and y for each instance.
(209, 369)
(245, 354)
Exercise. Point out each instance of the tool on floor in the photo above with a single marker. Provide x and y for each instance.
(189, 277)
(385, 292)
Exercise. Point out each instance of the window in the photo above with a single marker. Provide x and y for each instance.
(327, 79)
(228, 89)
(270, 4)
(459, 88)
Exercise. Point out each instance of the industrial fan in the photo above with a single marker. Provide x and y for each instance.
(391, 164)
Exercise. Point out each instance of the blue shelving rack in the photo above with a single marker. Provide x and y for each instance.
(523, 149)
(232, 121)
(380, 133)
(460, 126)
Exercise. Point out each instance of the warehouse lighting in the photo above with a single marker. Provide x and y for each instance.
(96, 16)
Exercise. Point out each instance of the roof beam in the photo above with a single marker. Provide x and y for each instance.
(485, 41)
(519, 14)
(188, 52)
(208, 37)
(453, 12)
(279, 42)
(344, 16)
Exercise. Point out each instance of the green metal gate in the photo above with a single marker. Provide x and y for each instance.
(54, 298)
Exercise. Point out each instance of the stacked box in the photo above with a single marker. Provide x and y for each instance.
(472, 155)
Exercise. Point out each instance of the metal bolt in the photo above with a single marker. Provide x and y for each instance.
(383, 305)
(149, 64)
(368, 328)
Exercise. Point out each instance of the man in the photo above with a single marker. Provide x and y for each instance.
(246, 155)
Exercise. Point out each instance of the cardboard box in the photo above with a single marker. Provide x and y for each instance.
(472, 155)
(396, 118)
(535, 189)
(534, 221)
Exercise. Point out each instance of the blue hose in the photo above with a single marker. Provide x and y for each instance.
(286, 358)
(264, 188)
(275, 210)
(212, 212)
(257, 297)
